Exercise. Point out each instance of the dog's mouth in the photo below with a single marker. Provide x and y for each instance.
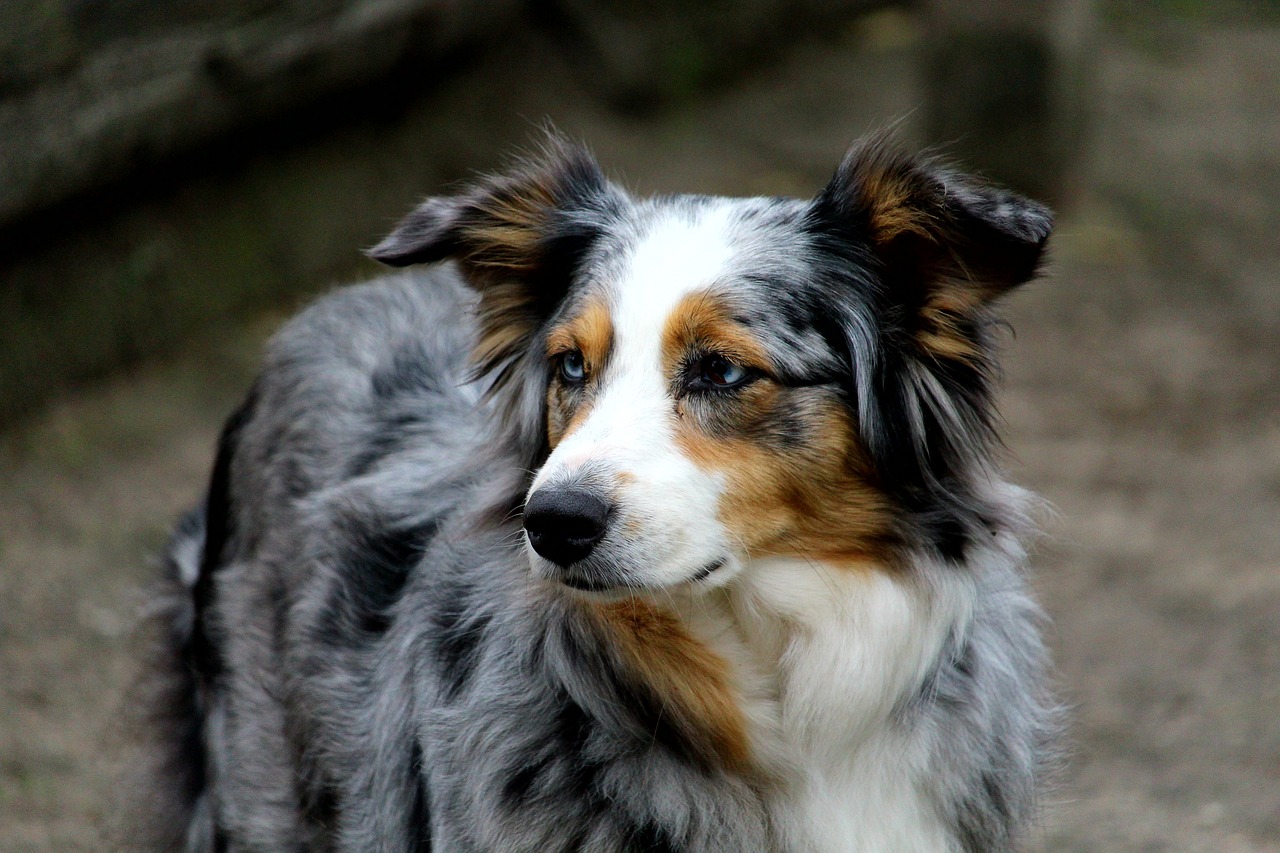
(583, 583)
(707, 571)
(589, 585)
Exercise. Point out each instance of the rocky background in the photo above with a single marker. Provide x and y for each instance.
(177, 178)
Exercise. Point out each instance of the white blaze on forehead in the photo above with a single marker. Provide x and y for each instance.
(630, 427)
(681, 254)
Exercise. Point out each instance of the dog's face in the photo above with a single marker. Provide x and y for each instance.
(686, 411)
(709, 380)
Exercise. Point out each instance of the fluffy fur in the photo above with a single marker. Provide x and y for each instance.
(770, 595)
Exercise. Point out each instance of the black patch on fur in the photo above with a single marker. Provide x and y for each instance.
(375, 565)
(560, 762)
(981, 822)
(405, 373)
(420, 811)
(459, 629)
(201, 653)
(651, 838)
(391, 433)
(515, 792)
(320, 802)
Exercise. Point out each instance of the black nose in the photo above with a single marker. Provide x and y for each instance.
(565, 523)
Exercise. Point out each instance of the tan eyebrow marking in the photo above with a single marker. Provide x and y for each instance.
(702, 321)
(590, 331)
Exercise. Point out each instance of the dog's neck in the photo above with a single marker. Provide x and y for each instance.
(824, 660)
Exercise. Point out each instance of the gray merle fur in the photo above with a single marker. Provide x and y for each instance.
(356, 657)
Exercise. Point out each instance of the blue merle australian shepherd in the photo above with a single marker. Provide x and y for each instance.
(666, 524)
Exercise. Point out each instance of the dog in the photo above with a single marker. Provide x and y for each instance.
(665, 524)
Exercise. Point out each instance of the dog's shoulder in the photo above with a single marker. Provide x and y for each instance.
(371, 342)
(354, 373)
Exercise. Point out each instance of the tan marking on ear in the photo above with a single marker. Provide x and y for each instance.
(941, 333)
(499, 243)
(894, 208)
(814, 501)
(505, 322)
(509, 224)
(691, 682)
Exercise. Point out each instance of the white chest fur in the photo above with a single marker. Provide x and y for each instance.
(823, 656)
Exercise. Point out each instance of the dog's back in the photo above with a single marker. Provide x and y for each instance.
(362, 376)
(358, 657)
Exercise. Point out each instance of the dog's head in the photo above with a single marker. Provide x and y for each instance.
(702, 379)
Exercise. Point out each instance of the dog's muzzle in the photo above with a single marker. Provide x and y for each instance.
(564, 523)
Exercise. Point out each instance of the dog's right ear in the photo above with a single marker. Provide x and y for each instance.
(425, 235)
(517, 237)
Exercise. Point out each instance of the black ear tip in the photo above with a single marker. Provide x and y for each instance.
(386, 252)
(1035, 220)
(1006, 211)
(426, 234)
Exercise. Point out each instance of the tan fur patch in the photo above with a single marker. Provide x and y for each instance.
(814, 502)
(589, 331)
(701, 322)
(946, 318)
(690, 680)
(894, 207)
(809, 497)
(500, 244)
(505, 323)
(940, 332)
(506, 234)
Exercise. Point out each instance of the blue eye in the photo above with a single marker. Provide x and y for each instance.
(572, 367)
(717, 371)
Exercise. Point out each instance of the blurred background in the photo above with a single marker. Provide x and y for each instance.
(176, 178)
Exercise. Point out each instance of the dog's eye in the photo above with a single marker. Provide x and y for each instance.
(573, 368)
(716, 371)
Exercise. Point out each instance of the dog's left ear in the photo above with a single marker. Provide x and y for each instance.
(929, 249)
(945, 244)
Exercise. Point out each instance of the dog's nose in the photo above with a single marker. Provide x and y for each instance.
(564, 524)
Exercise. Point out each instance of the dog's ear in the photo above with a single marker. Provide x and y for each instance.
(518, 238)
(944, 244)
(923, 252)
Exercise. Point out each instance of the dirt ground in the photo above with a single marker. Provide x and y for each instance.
(1142, 399)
